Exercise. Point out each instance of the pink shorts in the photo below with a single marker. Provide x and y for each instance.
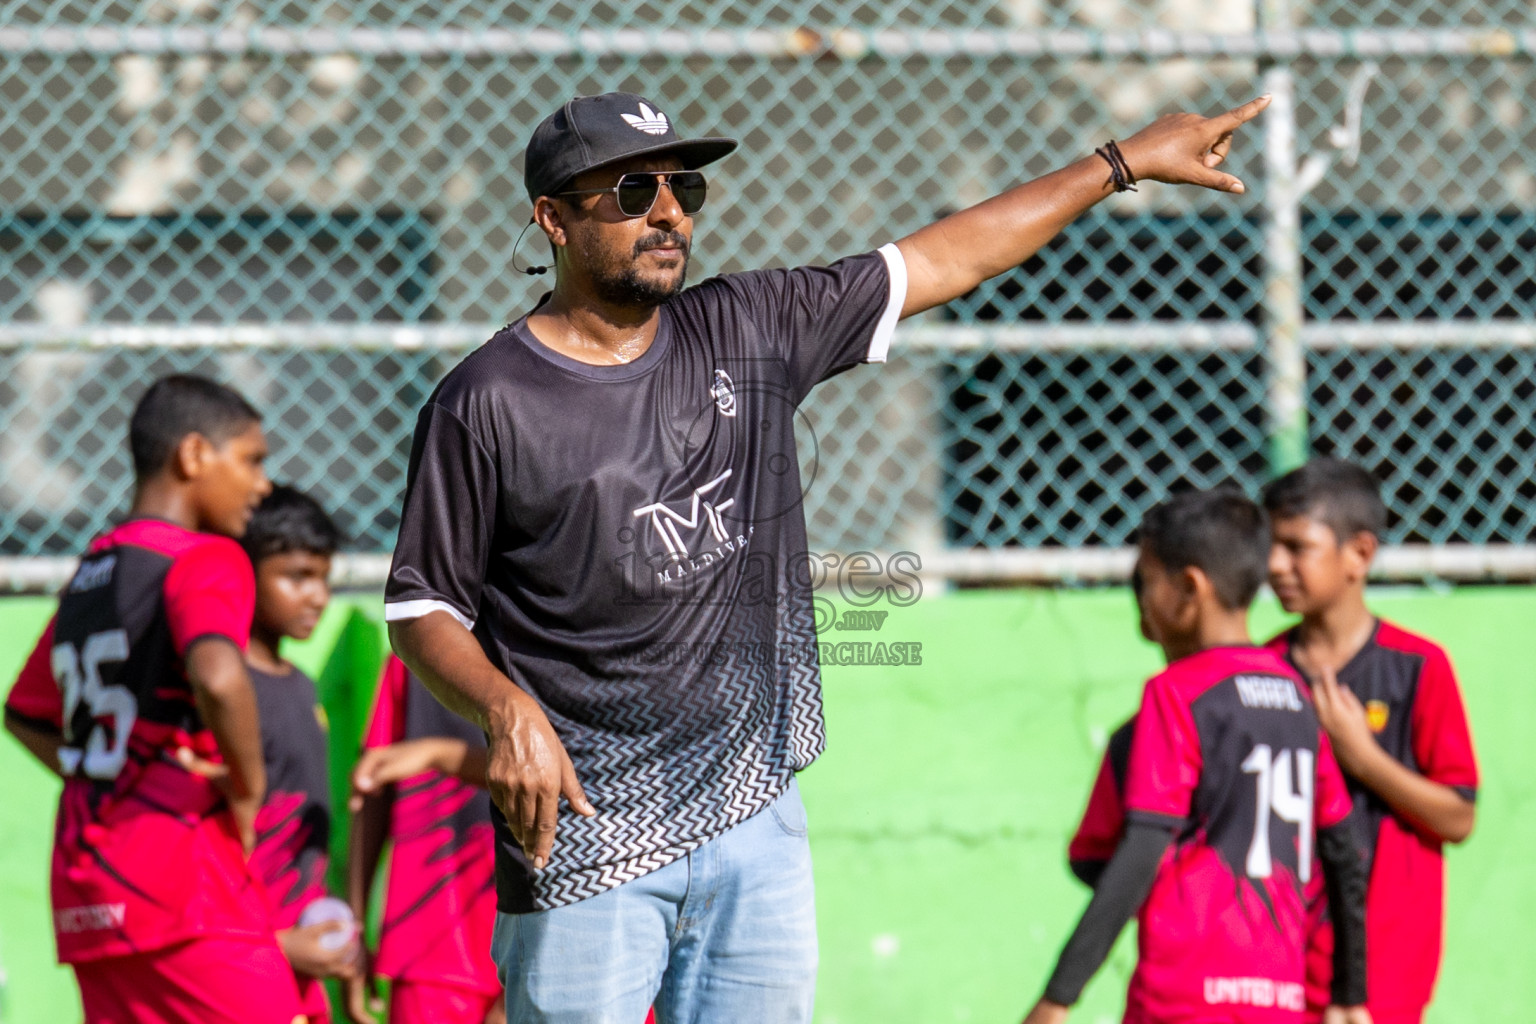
(413, 1002)
(1383, 1016)
(211, 981)
(313, 1001)
(1315, 1016)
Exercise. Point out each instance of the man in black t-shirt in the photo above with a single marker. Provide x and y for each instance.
(602, 560)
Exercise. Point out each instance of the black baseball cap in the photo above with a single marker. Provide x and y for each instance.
(590, 131)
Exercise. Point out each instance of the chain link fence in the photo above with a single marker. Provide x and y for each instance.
(318, 202)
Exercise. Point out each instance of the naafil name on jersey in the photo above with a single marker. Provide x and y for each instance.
(93, 575)
(1273, 692)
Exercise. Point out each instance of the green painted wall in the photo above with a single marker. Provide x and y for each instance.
(940, 813)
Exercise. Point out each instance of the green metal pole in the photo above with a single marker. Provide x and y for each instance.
(1285, 357)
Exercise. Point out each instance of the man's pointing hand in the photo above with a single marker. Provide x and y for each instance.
(1187, 149)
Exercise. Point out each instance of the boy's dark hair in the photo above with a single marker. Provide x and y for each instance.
(1221, 532)
(289, 520)
(1340, 494)
(179, 405)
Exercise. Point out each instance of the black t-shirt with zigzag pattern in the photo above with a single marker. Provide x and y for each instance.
(628, 544)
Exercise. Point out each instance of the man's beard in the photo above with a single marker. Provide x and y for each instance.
(623, 285)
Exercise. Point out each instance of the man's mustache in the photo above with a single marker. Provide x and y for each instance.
(663, 240)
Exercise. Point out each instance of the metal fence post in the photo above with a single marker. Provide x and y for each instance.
(1285, 356)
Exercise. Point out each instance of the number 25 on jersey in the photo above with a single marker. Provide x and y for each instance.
(100, 748)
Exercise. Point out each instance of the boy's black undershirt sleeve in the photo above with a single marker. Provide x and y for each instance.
(1345, 878)
(1088, 871)
(1121, 889)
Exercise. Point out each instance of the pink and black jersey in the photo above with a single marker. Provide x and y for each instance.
(145, 853)
(1227, 751)
(293, 827)
(1103, 824)
(1415, 709)
(441, 902)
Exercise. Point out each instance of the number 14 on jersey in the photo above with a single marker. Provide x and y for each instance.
(1286, 782)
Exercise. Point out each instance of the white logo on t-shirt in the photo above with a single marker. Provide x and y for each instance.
(701, 513)
(723, 391)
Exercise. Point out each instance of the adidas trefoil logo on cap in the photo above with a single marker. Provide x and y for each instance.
(652, 122)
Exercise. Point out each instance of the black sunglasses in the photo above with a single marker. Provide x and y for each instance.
(636, 192)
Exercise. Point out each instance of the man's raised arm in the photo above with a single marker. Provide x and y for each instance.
(948, 258)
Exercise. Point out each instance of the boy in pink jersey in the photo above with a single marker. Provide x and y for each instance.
(420, 785)
(290, 543)
(1098, 835)
(1389, 702)
(443, 747)
(139, 674)
(1103, 824)
(1228, 784)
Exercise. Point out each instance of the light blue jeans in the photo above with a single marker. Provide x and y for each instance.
(723, 935)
